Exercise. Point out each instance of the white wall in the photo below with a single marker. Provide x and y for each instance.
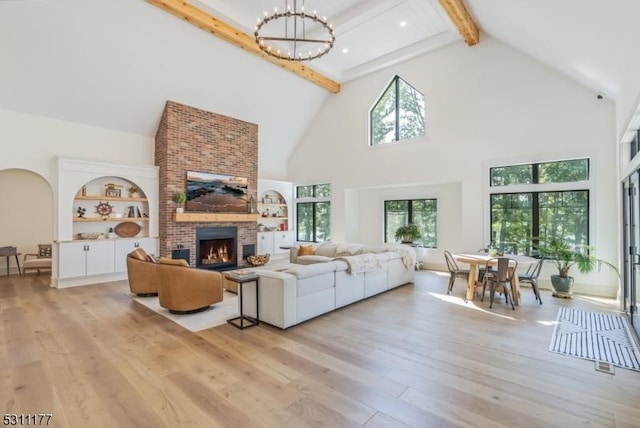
(32, 143)
(485, 104)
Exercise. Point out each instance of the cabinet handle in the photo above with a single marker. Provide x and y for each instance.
(136, 245)
(86, 247)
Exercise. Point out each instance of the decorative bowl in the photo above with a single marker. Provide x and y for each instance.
(258, 260)
(89, 235)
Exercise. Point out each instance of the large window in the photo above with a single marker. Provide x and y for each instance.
(313, 212)
(421, 212)
(552, 201)
(398, 114)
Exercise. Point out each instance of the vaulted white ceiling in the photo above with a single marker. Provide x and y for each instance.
(114, 63)
(369, 33)
(591, 41)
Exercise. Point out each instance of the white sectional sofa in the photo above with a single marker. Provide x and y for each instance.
(335, 276)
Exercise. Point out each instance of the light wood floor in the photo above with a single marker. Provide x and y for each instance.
(413, 356)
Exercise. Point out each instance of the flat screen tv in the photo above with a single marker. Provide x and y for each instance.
(216, 193)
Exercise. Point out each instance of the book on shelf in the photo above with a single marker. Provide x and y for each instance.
(134, 212)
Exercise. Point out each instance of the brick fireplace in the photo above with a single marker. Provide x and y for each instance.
(190, 139)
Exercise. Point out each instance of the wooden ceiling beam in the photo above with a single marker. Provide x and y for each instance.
(461, 18)
(230, 34)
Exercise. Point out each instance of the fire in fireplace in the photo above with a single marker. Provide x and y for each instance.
(218, 251)
(216, 248)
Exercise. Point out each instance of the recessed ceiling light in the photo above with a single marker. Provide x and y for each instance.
(403, 23)
(345, 50)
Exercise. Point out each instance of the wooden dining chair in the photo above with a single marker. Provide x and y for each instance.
(531, 277)
(454, 270)
(500, 278)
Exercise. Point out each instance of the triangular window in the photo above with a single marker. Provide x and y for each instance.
(399, 114)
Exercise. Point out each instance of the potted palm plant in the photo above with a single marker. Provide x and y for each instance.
(408, 233)
(564, 256)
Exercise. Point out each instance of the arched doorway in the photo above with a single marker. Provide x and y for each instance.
(26, 213)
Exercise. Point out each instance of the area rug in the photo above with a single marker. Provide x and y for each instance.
(216, 315)
(595, 336)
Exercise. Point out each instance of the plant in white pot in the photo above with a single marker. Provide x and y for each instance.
(564, 256)
(408, 233)
(179, 198)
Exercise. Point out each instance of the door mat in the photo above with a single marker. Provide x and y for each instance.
(595, 336)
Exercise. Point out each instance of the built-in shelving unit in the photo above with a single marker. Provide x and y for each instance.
(273, 210)
(93, 194)
(275, 233)
(88, 207)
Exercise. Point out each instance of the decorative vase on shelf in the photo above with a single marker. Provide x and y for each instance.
(252, 206)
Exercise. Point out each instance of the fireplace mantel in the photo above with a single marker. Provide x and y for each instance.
(211, 217)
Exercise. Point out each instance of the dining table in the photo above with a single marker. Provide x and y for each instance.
(478, 259)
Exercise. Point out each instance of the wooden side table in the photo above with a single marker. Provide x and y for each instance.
(243, 321)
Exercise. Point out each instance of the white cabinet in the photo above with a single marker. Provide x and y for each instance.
(100, 256)
(125, 246)
(270, 242)
(85, 258)
(282, 239)
(265, 243)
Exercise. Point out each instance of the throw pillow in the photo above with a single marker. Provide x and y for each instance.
(151, 258)
(305, 250)
(44, 251)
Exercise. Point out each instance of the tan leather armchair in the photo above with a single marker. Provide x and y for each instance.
(182, 289)
(141, 271)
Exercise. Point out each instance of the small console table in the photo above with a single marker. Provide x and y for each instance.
(243, 321)
(8, 252)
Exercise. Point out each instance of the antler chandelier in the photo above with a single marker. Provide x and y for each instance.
(298, 35)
